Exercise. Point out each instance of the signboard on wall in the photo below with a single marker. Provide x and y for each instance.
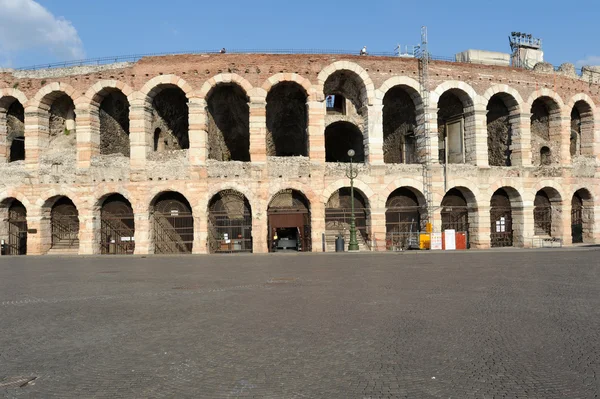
(450, 240)
(436, 241)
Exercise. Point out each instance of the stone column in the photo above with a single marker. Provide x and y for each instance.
(433, 134)
(564, 229)
(481, 238)
(3, 136)
(521, 139)
(258, 130)
(259, 233)
(480, 157)
(142, 235)
(317, 226)
(38, 243)
(564, 139)
(140, 141)
(316, 131)
(528, 224)
(378, 230)
(198, 132)
(36, 134)
(200, 231)
(88, 135)
(375, 134)
(89, 238)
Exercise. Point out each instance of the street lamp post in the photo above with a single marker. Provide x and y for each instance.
(351, 174)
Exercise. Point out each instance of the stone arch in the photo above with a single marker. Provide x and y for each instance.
(456, 103)
(289, 221)
(12, 124)
(459, 212)
(405, 217)
(507, 218)
(364, 188)
(223, 78)
(504, 108)
(229, 222)
(546, 109)
(368, 95)
(287, 119)
(290, 77)
(583, 125)
(13, 226)
(305, 189)
(253, 200)
(547, 212)
(172, 222)
(402, 115)
(55, 110)
(60, 224)
(338, 211)
(228, 120)
(115, 213)
(159, 83)
(582, 216)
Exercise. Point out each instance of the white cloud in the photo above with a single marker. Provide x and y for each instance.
(26, 25)
(590, 60)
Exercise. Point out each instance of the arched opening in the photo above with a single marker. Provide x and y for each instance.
(62, 135)
(399, 125)
(64, 221)
(582, 130)
(501, 219)
(575, 137)
(287, 120)
(14, 228)
(117, 226)
(170, 119)
(545, 131)
(289, 222)
(114, 123)
(338, 216)
(15, 135)
(546, 213)
(457, 214)
(582, 217)
(405, 215)
(346, 101)
(500, 108)
(173, 224)
(341, 137)
(229, 223)
(455, 118)
(228, 123)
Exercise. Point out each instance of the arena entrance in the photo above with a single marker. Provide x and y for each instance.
(501, 228)
(546, 213)
(17, 229)
(173, 224)
(338, 213)
(117, 226)
(455, 216)
(404, 211)
(229, 223)
(582, 218)
(64, 225)
(289, 222)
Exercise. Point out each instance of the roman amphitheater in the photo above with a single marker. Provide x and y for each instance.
(221, 153)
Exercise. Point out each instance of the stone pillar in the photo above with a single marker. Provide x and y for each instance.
(36, 134)
(258, 130)
(564, 229)
(89, 237)
(317, 226)
(375, 134)
(38, 243)
(143, 233)
(436, 220)
(595, 225)
(88, 135)
(3, 136)
(259, 233)
(480, 157)
(316, 131)
(482, 229)
(433, 134)
(564, 139)
(200, 232)
(528, 224)
(140, 137)
(596, 135)
(198, 131)
(378, 230)
(521, 139)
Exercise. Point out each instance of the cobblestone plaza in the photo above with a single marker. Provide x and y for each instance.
(504, 323)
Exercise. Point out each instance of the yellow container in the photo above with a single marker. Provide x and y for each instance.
(424, 241)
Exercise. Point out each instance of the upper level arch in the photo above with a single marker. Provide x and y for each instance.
(161, 82)
(223, 78)
(367, 94)
(511, 97)
(290, 77)
(95, 94)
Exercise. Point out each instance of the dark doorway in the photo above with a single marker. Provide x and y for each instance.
(338, 213)
(229, 223)
(501, 231)
(65, 225)
(17, 229)
(455, 213)
(542, 214)
(117, 226)
(577, 219)
(289, 222)
(403, 215)
(173, 224)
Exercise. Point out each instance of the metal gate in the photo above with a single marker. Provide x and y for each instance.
(455, 213)
(289, 209)
(542, 214)
(173, 225)
(17, 230)
(65, 225)
(117, 227)
(403, 217)
(338, 217)
(501, 232)
(229, 223)
(577, 219)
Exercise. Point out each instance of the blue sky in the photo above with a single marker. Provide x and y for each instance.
(69, 29)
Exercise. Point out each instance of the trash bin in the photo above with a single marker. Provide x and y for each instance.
(339, 244)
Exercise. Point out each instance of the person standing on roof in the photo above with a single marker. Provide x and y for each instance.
(363, 51)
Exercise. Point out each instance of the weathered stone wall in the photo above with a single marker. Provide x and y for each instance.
(114, 124)
(498, 128)
(170, 117)
(399, 120)
(228, 124)
(287, 121)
